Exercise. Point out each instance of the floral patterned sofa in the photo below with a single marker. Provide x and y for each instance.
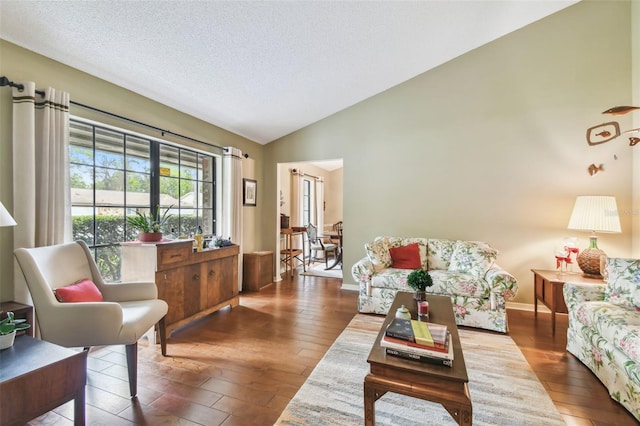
(604, 329)
(464, 270)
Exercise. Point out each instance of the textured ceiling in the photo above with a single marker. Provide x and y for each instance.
(257, 68)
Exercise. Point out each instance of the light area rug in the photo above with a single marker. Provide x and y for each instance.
(317, 270)
(504, 389)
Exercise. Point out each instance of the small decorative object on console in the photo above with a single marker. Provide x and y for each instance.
(223, 243)
(149, 226)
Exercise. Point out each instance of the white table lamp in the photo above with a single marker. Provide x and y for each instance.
(594, 214)
(5, 217)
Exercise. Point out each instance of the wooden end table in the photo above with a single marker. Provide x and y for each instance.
(38, 376)
(548, 289)
(257, 270)
(21, 311)
(445, 385)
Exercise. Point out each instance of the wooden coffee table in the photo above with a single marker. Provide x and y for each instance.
(38, 376)
(445, 385)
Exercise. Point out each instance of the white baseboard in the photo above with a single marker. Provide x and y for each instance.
(351, 287)
(527, 307)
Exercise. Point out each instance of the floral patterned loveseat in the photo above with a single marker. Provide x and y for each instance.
(604, 329)
(464, 270)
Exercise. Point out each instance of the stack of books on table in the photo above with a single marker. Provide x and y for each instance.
(421, 341)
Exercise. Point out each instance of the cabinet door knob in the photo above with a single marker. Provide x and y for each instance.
(196, 277)
(211, 272)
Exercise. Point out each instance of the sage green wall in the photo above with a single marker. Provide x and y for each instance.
(489, 146)
(22, 65)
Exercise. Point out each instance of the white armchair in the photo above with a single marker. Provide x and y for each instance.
(128, 311)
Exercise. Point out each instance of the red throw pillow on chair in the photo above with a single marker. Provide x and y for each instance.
(83, 291)
(405, 257)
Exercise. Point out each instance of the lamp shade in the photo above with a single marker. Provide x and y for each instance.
(595, 213)
(5, 217)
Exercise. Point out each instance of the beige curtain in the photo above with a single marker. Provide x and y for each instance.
(232, 201)
(41, 195)
(319, 203)
(297, 177)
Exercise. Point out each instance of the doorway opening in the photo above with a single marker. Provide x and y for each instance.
(309, 192)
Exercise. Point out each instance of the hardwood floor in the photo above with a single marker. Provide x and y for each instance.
(242, 366)
(576, 392)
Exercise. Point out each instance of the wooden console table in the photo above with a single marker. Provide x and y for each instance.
(194, 284)
(548, 289)
(38, 376)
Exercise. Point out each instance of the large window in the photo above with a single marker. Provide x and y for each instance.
(115, 173)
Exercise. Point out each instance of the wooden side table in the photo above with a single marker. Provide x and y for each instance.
(548, 289)
(20, 311)
(257, 270)
(288, 253)
(38, 376)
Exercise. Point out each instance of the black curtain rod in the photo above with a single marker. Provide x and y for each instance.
(305, 174)
(4, 81)
(139, 123)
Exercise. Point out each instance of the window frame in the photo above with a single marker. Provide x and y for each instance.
(155, 144)
(307, 201)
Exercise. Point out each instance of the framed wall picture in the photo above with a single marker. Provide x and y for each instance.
(249, 192)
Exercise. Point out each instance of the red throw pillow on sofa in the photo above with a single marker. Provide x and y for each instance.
(406, 257)
(83, 291)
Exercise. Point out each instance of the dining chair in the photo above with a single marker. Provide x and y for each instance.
(119, 313)
(316, 244)
(337, 227)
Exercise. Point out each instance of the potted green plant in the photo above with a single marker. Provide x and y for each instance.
(418, 280)
(8, 328)
(149, 226)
